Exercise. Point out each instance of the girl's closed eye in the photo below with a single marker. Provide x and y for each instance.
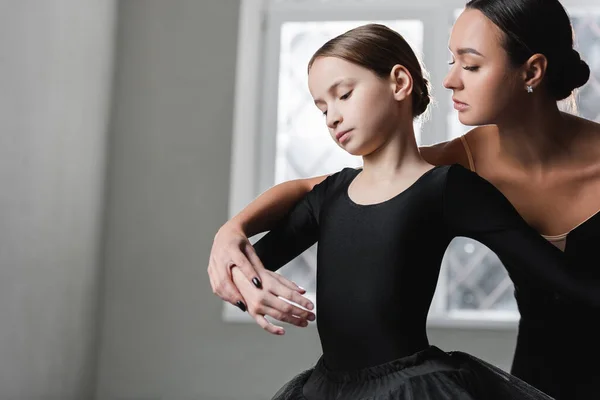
(346, 96)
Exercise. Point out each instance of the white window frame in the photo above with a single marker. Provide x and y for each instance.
(255, 116)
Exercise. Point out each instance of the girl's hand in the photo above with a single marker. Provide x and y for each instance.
(268, 301)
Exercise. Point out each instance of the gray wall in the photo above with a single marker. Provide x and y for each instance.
(162, 334)
(56, 71)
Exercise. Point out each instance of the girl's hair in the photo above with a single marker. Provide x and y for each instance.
(539, 26)
(378, 48)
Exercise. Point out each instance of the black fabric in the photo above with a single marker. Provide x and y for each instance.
(378, 264)
(558, 344)
(430, 374)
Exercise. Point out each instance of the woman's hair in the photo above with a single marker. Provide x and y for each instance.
(539, 26)
(378, 48)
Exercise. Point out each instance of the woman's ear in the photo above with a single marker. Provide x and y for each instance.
(534, 70)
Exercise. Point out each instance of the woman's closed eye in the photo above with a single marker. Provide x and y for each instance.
(465, 67)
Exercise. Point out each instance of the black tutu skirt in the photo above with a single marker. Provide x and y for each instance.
(430, 374)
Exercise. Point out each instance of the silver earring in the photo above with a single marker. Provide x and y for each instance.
(529, 89)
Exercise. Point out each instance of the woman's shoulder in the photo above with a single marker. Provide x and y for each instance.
(587, 142)
(588, 127)
(461, 150)
(445, 153)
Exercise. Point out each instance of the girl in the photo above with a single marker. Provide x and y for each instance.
(384, 229)
(545, 162)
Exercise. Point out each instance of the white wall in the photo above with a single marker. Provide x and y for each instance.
(162, 335)
(56, 65)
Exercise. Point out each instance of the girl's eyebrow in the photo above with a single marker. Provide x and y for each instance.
(334, 86)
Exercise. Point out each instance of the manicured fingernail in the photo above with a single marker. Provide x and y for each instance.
(311, 317)
(241, 305)
(280, 332)
(256, 283)
(299, 287)
(310, 306)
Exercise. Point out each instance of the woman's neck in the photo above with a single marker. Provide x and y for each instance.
(538, 138)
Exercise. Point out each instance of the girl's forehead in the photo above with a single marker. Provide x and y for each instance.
(329, 64)
(330, 73)
(332, 68)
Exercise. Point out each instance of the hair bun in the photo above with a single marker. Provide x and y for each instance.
(580, 69)
(422, 99)
(572, 72)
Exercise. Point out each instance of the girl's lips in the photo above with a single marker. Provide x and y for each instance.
(343, 135)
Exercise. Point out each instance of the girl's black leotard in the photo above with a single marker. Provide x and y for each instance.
(378, 264)
(378, 267)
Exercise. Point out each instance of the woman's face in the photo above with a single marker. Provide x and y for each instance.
(485, 85)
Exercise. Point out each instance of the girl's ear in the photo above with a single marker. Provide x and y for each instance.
(401, 82)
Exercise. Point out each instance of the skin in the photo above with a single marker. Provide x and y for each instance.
(544, 161)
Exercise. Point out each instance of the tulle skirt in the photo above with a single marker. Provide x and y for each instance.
(430, 374)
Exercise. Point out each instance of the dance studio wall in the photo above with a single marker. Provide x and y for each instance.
(56, 65)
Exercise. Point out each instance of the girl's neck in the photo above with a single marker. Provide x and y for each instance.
(398, 155)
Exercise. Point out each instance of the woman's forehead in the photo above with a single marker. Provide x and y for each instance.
(474, 30)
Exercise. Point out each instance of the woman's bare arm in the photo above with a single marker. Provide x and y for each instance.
(271, 206)
(231, 246)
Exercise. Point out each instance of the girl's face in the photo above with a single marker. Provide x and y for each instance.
(484, 84)
(359, 107)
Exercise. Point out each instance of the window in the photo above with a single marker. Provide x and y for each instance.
(586, 25)
(291, 141)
